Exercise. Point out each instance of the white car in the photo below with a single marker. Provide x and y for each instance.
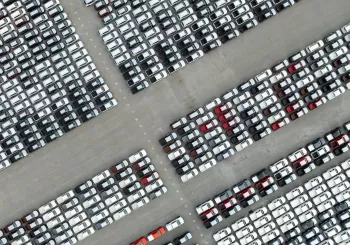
(244, 144)
(289, 225)
(342, 237)
(84, 234)
(278, 165)
(141, 202)
(285, 218)
(307, 215)
(228, 240)
(313, 182)
(177, 153)
(271, 235)
(98, 178)
(244, 231)
(239, 224)
(258, 213)
(294, 193)
(276, 203)
(277, 116)
(340, 187)
(280, 210)
(212, 104)
(77, 219)
(299, 200)
(335, 93)
(326, 205)
(330, 173)
(267, 102)
(204, 206)
(221, 234)
(262, 221)
(174, 223)
(117, 206)
(278, 77)
(297, 154)
(208, 164)
(266, 228)
(336, 180)
(121, 213)
(189, 175)
(45, 208)
(136, 195)
(248, 239)
(303, 208)
(239, 99)
(263, 95)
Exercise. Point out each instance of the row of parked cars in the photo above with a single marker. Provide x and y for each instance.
(159, 232)
(90, 206)
(314, 213)
(49, 83)
(155, 38)
(278, 174)
(258, 107)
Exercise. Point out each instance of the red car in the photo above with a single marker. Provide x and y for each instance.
(264, 183)
(206, 127)
(21, 21)
(301, 162)
(101, 4)
(105, 11)
(228, 203)
(245, 193)
(346, 78)
(341, 140)
(315, 104)
(149, 178)
(230, 124)
(156, 234)
(227, 116)
(294, 106)
(141, 241)
(209, 214)
(279, 124)
(140, 164)
(294, 67)
(222, 108)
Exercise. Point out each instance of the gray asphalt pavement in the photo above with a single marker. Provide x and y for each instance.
(139, 121)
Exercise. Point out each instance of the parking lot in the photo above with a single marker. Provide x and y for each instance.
(139, 121)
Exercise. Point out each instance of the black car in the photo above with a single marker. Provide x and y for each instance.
(340, 150)
(262, 174)
(139, 87)
(266, 15)
(127, 65)
(292, 233)
(185, 168)
(131, 188)
(227, 37)
(247, 25)
(213, 221)
(18, 156)
(325, 215)
(340, 207)
(37, 145)
(306, 169)
(145, 171)
(180, 161)
(328, 223)
(231, 211)
(70, 126)
(211, 46)
(223, 196)
(335, 133)
(82, 187)
(244, 184)
(317, 143)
